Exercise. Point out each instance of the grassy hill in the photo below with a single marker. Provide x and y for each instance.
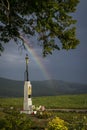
(11, 88)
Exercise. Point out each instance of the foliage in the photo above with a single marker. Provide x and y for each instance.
(10, 117)
(44, 114)
(57, 124)
(78, 123)
(2, 123)
(47, 19)
(74, 121)
(15, 121)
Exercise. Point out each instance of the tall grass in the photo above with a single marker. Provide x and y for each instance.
(8, 102)
(67, 101)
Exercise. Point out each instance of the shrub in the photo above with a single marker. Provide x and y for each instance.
(57, 124)
(2, 123)
(44, 114)
(78, 123)
(16, 121)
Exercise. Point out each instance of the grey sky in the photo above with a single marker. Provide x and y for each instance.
(62, 65)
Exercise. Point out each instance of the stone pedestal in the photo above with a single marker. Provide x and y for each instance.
(27, 106)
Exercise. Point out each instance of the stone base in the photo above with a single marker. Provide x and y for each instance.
(26, 112)
(27, 106)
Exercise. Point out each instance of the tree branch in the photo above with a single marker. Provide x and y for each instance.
(7, 8)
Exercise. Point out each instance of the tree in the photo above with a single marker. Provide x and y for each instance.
(49, 19)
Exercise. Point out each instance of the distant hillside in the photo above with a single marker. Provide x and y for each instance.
(11, 88)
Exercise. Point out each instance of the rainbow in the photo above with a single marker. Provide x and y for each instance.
(36, 58)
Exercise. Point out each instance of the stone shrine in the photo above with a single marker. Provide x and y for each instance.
(27, 105)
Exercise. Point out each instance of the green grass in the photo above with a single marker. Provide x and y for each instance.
(67, 101)
(8, 102)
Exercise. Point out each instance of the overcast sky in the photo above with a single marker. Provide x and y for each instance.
(62, 65)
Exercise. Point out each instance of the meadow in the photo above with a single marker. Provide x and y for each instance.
(76, 120)
(63, 101)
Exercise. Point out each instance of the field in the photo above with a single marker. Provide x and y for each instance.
(67, 101)
(77, 121)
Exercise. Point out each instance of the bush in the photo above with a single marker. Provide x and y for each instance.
(78, 123)
(2, 123)
(57, 124)
(16, 121)
(44, 114)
